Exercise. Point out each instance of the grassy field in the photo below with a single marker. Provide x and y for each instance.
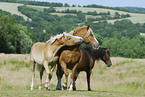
(125, 78)
(12, 7)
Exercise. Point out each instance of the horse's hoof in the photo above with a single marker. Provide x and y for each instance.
(64, 87)
(74, 89)
(31, 89)
(89, 90)
(70, 89)
(47, 89)
(58, 88)
(39, 88)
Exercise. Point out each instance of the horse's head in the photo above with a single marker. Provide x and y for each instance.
(106, 57)
(65, 39)
(70, 40)
(87, 34)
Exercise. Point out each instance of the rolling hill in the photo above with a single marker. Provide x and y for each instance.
(136, 9)
(12, 8)
(135, 17)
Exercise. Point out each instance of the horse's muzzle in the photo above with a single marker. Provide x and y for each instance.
(109, 64)
(96, 45)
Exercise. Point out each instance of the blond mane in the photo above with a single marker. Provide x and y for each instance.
(54, 38)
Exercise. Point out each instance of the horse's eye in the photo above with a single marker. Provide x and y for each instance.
(69, 38)
(91, 34)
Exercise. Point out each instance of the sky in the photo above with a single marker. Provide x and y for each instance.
(110, 3)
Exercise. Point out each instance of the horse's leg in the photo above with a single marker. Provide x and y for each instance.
(59, 74)
(48, 79)
(88, 79)
(45, 63)
(33, 75)
(75, 78)
(74, 73)
(41, 74)
(63, 65)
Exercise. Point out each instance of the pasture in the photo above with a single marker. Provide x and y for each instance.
(126, 77)
(12, 8)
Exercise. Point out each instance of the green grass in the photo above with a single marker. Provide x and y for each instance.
(125, 78)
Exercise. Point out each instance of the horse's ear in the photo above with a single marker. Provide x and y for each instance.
(107, 51)
(74, 32)
(64, 35)
(88, 26)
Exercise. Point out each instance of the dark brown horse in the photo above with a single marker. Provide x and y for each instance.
(81, 60)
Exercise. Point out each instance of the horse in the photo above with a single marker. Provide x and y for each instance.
(82, 60)
(89, 38)
(45, 55)
(87, 34)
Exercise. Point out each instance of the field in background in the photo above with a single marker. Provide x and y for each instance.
(135, 17)
(126, 77)
(12, 7)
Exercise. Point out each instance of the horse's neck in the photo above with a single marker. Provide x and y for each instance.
(96, 54)
(71, 48)
(55, 48)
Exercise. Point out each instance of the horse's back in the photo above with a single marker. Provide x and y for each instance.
(37, 52)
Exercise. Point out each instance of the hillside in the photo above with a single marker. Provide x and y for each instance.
(135, 9)
(135, 17)
(12, 8)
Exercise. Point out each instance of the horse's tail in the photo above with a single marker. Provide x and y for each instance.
(32, 60)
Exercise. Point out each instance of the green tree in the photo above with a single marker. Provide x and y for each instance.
(11, 37)
(66, 5)
(81, 16)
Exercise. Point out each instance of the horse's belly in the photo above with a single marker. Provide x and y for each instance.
(38, 57)
(38, 60)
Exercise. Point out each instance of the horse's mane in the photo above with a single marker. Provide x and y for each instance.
(53, 38)
(94, 52)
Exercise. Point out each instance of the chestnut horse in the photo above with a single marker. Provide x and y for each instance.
(46, 54)
(82, 60)
(89, 38)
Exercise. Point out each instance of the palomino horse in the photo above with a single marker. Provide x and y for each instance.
(89, 38)
(46, 54)
(82, 60)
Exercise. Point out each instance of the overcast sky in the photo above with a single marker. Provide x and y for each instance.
(110, 3)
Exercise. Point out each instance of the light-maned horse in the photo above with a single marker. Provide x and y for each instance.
(45, 55)
(82, 60)
(89, 38)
